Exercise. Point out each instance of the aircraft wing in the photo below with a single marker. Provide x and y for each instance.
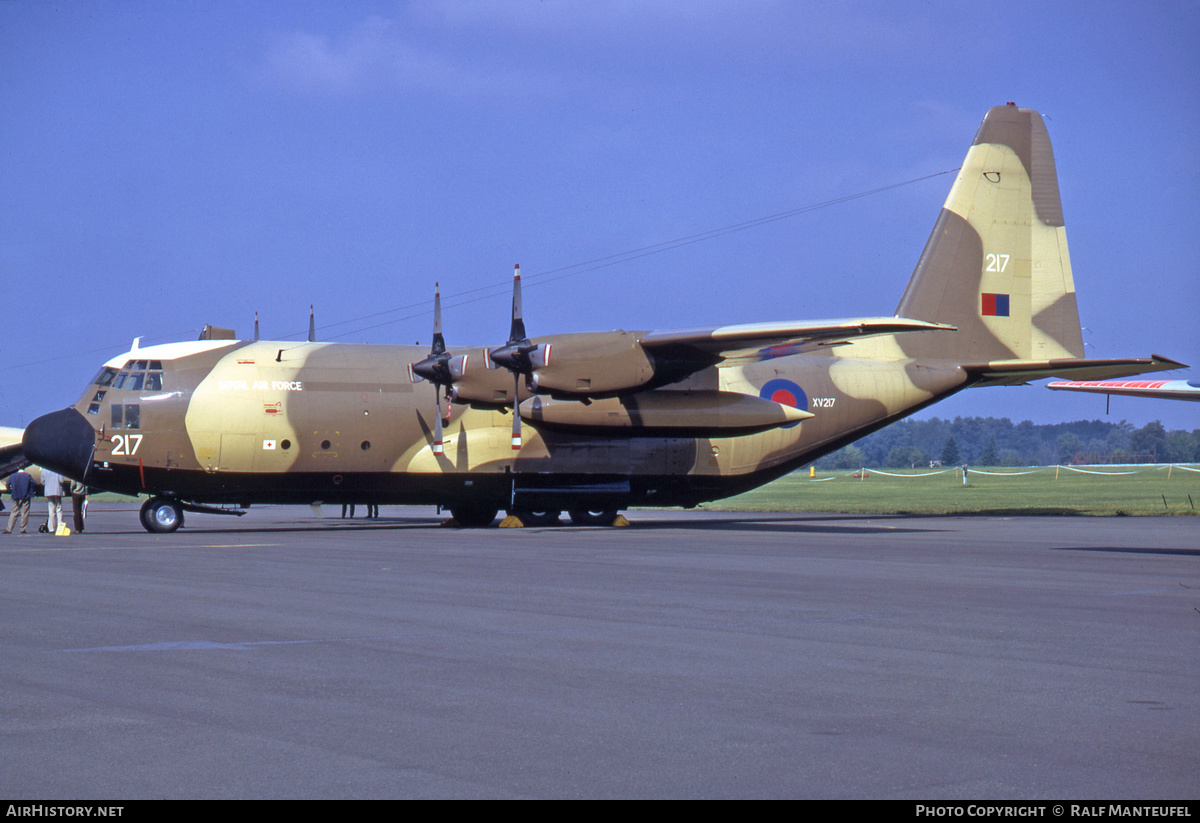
(1167, 389)
(1019, 372)
(769, 340)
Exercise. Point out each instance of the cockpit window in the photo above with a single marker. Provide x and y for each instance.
(135, 375)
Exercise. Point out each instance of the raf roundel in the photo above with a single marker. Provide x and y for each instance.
(785, 393)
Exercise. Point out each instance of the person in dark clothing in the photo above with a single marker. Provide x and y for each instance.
(21, 486)
(78, 503)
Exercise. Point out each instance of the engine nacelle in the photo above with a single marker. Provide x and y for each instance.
(583, 366)
(600, 364)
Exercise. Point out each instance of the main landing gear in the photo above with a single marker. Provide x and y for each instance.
(162, 515)
(593, 517)
(472, 517)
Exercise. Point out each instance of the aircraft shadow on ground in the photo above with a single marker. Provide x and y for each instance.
(1130, 550)
(799, 524)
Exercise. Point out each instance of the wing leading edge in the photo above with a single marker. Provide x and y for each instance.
(780, 339)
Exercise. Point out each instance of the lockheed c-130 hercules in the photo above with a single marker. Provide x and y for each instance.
(618, 419)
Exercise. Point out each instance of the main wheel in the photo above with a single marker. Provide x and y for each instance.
(473, 517)
(540, 518)
(593, 517)
(161, 516)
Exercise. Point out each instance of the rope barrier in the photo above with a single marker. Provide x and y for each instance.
(858, 474)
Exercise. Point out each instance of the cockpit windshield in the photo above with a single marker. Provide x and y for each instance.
(135, 375)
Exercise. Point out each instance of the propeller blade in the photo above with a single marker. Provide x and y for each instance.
(439, 342)
(517, 332)
(516, 431)
(437, 422)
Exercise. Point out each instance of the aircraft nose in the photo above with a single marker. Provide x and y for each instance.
(62, 441)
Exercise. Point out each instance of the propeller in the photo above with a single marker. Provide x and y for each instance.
(439, 368)
(521, 356)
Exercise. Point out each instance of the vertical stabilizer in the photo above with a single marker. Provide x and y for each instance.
(996, 265)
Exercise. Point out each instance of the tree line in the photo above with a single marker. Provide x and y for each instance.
(997, 441)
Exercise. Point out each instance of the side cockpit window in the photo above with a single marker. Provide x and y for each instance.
(94, 406)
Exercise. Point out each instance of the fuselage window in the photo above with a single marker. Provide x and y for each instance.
(133, 416)
(118, 415)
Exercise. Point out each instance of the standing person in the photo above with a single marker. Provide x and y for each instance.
(21, 485)
(78, 503)
(53, 483)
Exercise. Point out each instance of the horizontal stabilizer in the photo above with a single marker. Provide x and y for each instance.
(1159, 389)
(1019, 372)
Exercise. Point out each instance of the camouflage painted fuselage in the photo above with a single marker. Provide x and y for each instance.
(286, 422)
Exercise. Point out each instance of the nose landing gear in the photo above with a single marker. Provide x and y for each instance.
(161, 515)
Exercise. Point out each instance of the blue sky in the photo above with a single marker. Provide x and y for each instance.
(167, 165)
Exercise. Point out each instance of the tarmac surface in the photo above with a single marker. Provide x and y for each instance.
(693, 654)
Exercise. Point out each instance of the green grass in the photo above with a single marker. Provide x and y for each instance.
(1046, 491)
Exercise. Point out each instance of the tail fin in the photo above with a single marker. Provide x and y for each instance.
(996, 265)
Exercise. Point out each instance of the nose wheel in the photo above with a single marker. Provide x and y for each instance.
(161, 515)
